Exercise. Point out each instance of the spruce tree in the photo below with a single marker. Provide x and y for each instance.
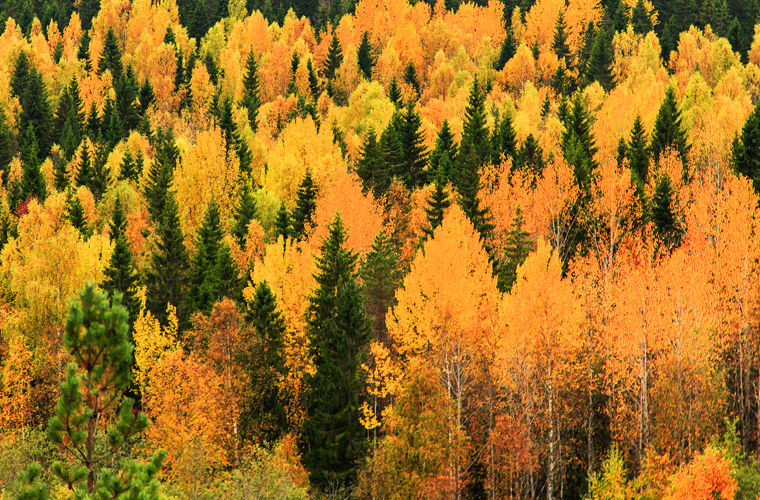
(578, 144)
(365, 56)
(314, 86)
(664, 214)
(334, 57)
(437, 203)
(508, 50)
(127, 103)
(638, 156)
(96, 338)
(295, 61)
(128, 167)
(559, 41)
(75, 214)
(93, 122)
(410, 77)
(668, 130)
(530, 156)
(100, 174)
(202, 278)
(36, 112)
(370, 167)
(252, 90)
(640, 19)
(69, 120)
(333, 441)
(517, 248)
(394, 92)
(245, 212)
(20, 76)
(227, 282)
(599, 66)
(504, 140)
(121, 276)
(382, 274)
(167, 277)
(306, 206)
(146, 96)
(263, 414)
(110, 58)
(282, 223)
(392, 157)
(746, 149)
(444, 144)
(6, 148)
(413, 152)
(160, 175)
(32, 180)
(83, 51)
(118, 223)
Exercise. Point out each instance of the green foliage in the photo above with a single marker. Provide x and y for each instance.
(121, 274)
(283, 222)
(260, 478)
(666, 221)
(638, 156)
(333, 441)
(504, 139)
(610, 482)
(75, 214)
(160, 175)
(559, 41)
(516, 250)
(746, 149)
(668, 131)
(394, 92)
(578, 144)
(640, 19)
(365, 56)
(110, 58)
(381, 274)
(245, 212)
(437, 203)
(507, 51)
(306, 206)
(411, 141)
(334, 57)
(32, 180)
(444, 145)
(252, 90)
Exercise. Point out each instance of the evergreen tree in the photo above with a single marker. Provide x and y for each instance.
(127, 103)
(313, 80)
(578, 143)
(93, 122)
(69, 120)
(20, 76)
(412, 145)
(668, 131)
(110, 58)
(128, 167)
(83, 51)
(638, 156)
(227, 280)
(121, 276)
(381, 274)
(282, 222)
(36, 112)
(559, 41)
(746, 149)
(366, 56)
(666, 224)
(394, 92)
(599, 67)
(518, 247)
(75, 214)
(410, 77)
(252, 90)
(263, 413)
(437, 203)
(118, 223)
(504, 140)
(202, 279)
(334, 57)
(32, 180)
(100, 174)
(508, 50)
(6, 148)
(245, 212)
(444, 144)
(306, 206)
(370, 167)
(294, 62)
(146, 96)
(640, 19)
(584, 52)
(392, 156)
(530, 156)
(166, 278)
(111, 127)
(333, 441)
(60, 175)
(96, 338)
(160, 175)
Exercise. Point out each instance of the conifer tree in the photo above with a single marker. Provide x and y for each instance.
(282, 222)
(167, 277)
(121, 275)
(381, 273)
(306, 206)
(96, 339)
(444, 144)
(392, 157)
(93, 122)
(559, 41)
(504, 139)
(333, 441)
(746, 149)
(437, 203)
(118, 224)
(75, 213)
(32, 180)
(394, 92)
(60, 175)
(245, 212)
(584, 51)
(370, 167)
(100, 175)
(313, 80)
(252, 90)
(664, 214)
(334, 57)
(263, 413)
(531, 156)
(578, 143)
(365, 56)
(508, 50)
(69, 120)
(640, 19)
(160, 175)
(410, 77)
(110, 58)
(668, 130)
(20, 76)
(599, 66)
(83, 51)
(227, 282)
(128, 167)
(146, 96)
(517, 248)
(638, 156)
(6, 148)
(202, 278)
(413, 152)
(36, 112)
(127, 104)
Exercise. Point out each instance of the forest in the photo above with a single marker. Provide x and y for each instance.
(381, 249)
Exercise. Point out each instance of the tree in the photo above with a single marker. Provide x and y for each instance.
(516, 250)
(638, 156)
(263, 415)
(332, 438)
(166, 279)
(370, 166)
(559, 41)
(160, 175)
(394, 92)
(334, 57)
(365, 56)
(668, 131)
(306, 205)
(444, 143)
(664, 213)
(504, 140)
(85, 175)
(437, 203)
(745, 153)
(245, 212)
(507, 51)
(381, 274)
(412, 145)
(640, 19)
(599, 66)
(6, 149)
(128, 167)
(110, 58)
(252, 90)
(283, 222)
(410, 77)
(75, 214)
(202, 279)
(96, 338)
(578, 144)
(35, 108)
(32, 181)
(121, 275)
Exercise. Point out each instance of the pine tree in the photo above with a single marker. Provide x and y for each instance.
(508, 50)
(96, 338)
(381, 273)
(110, 58)
(166, 278)
(6, 149)
(160, 175)
(32, 180)
(83, 51)
(252, 90)
(668, 131)
(370, 163)
(531, 156)
(306, 206)
(20, 76)
(437, 203)
(333, 441)
(638, 156)
(365, 56)
(75, 214)
(282, 223)
(334, 57)
(313, 80)
(599, 67)
(640, 19)
(121, 276)
(100, 174)
(146, 96)
(746, 149)
(413, 151)
(578, 143)
(504, 140)
(69, 120)
(202, 278)
(444, 144)
(93, 122)
(128, 167)
(36, 112)
(666, 224)
(584, 52)
(118, 223)
(245, 212)
(517, 248)
(263, 413)
(410, 77)
(394, 92)
(127, 103)
(559, 42)
(392, 157)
